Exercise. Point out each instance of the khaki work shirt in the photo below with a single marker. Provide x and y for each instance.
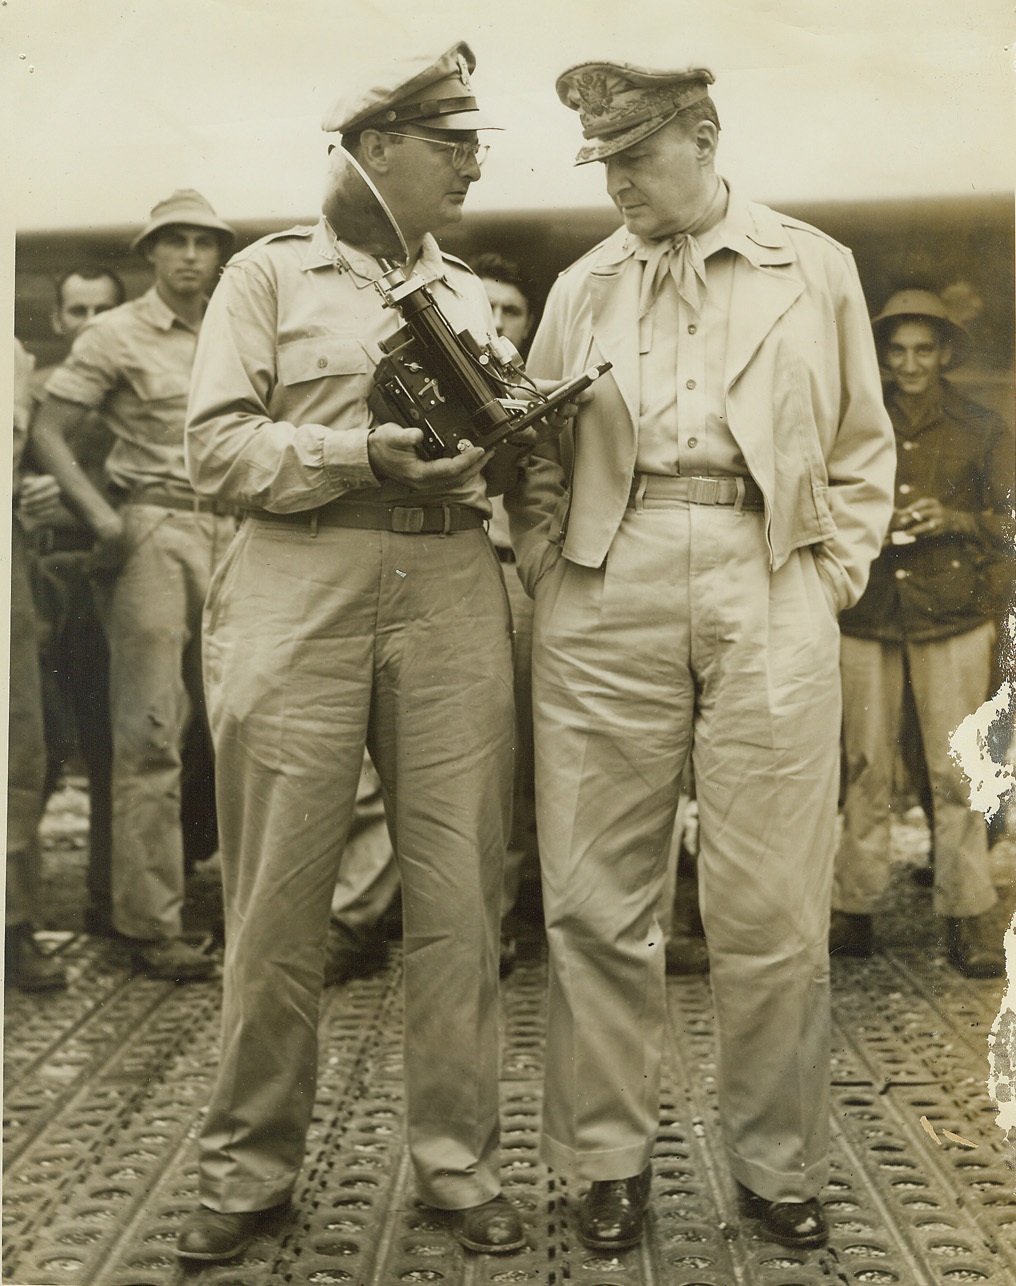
(683, 426)
(278, 415)
(133, 363)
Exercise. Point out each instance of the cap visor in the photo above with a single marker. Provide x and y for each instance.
(457, 120)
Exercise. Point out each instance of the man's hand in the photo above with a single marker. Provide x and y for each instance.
(392, 452)
(39, 500)
(929, 517)
(111, 547)
(553, 423)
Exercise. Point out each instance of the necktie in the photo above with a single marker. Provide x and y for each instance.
(682, 258)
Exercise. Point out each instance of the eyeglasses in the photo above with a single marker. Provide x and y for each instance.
(462, 153)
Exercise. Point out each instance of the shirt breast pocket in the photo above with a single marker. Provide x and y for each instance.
(319, 356)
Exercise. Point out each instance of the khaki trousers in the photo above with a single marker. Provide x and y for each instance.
(151, 614)
(316, 645)
(949, 679)
(684, 639)
(26, 746)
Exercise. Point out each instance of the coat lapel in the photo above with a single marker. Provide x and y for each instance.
(614, 295)
(766, 283)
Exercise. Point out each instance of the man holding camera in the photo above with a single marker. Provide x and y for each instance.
(361, 604)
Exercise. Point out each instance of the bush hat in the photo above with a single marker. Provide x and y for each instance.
(922, 305)
(186, 207)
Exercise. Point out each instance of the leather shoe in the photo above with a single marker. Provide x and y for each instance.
(170, 960)
(211, 1235)
(800, 1225)
(613, 1211)
(26, 965)
(493, 1228)
(850, 935)
(972, 949)
(347, 956)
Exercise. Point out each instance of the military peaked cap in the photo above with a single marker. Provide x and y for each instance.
(421, 90)
(619, 105)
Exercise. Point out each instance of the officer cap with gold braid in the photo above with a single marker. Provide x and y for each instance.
(619, 105)
(422, 90)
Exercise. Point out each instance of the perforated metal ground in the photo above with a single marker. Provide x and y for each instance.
(105, 1086)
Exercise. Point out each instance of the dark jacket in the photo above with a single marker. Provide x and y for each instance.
(962, 454)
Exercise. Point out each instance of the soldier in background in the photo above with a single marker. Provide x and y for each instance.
(156, 546)
(74, 655)
(26, 965)
(927, 621)
(514, 315)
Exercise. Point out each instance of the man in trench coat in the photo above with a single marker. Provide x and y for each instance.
(690, 542)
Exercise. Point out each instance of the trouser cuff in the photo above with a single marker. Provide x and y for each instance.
(776, 1185)
(595, 1166)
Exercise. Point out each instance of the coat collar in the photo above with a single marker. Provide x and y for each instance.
(761, 294)
(753, 231)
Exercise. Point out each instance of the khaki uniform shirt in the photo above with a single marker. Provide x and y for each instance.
(682, 425)
(134, 363)
(278, 416)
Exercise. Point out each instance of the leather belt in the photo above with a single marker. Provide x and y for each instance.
(193, 504)
(739, 493)
(410, 520)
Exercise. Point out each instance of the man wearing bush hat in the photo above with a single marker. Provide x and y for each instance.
(156, 547)
(362, 604)
(927, 621)
(689, 545)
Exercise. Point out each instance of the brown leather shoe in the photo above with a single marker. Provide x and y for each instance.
(494, 1228)
(348, 957)
(212, 1235)
(850, 935)
(612, 1212)
(800, 1225)
(974, 949)
(26, 965)
(170, 960)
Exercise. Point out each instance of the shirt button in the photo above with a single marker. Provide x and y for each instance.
(690, 384)
(901, 574)
(322, 362)
(692, 329)
(905, 488)
(693, 442)
(908, 446)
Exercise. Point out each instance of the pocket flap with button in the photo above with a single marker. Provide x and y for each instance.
(319, 356)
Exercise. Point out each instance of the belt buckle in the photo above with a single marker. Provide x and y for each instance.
(704, 491)
(408, 519)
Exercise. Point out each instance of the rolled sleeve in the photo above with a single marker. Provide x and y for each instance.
(90, 371)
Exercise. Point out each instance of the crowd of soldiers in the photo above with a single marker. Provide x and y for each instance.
(221, 557)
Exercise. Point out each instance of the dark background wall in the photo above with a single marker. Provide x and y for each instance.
(963, 246)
